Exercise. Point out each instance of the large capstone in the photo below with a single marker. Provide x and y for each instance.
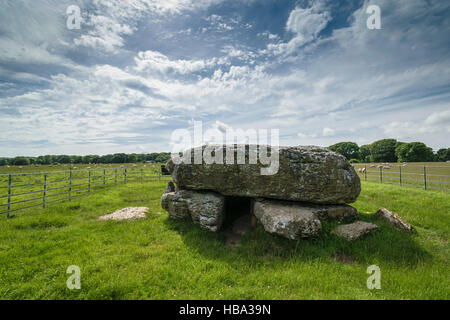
(287, 219)
(204, 208)
(306, 174)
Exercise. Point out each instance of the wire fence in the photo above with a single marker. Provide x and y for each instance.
(21, 191)
(414, 175)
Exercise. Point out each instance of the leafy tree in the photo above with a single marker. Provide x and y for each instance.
(107, 158)
(152, 156)
(3, 162)
(350, 150)
(87, 159)
(132, 158)
(118, 158)
(414, 152)
(44, 159)
(383, 151)
(62, 159)
(20, 161)
(95, 159)
(364, 153)
(76, 159)
(163, 157)
(443, 155)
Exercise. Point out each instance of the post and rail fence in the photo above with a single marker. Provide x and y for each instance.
(405, 174)
(40, 189)
(20, 191)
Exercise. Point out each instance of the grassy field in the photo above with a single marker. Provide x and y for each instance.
(437, 174)
(65, 167)
(31, 186)
(159, 258)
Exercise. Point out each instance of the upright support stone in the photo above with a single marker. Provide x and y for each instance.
(287, 219)
(204, 208)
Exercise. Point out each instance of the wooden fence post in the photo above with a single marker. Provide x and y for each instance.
(365, 172)
(425, 177)
(381, 174)
(45, 190)
(400, 167)
(104, 177)
(125, 175)
(89, 183)
(70, 185)
(115, 176)
(9, 196)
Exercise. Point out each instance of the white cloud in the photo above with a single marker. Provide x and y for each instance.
(151, 61)
(111, 21)
(439, 120)
(107, 34)
(306, 25)
(327, 132)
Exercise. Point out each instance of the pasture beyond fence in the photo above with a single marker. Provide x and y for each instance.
(19, 191)
(436, 177)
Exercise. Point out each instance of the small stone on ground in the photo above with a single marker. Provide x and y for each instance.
(131, 213)
(393, 219)
(354, 230)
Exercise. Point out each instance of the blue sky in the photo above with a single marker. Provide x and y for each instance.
(137, 70)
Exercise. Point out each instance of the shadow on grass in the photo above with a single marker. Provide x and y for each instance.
(385, 245)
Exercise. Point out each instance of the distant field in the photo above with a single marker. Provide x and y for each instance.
(59, 167)
(40, 186)
(159, 258)
(436, 175)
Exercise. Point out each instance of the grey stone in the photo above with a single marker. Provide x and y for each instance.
(170, 187)
(306, 174)
(354, 230)
(393, 219)
(287, 219)
(335, 212)
(204, 208)
(175, 204)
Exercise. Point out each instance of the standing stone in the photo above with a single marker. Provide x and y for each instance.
(306, 174)
(170, 187)
(393, 219)
(204, 208)
(175, 204)
(287, 219)
(354, 230)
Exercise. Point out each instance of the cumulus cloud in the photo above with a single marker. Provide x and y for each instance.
(305, 24)
(151, 61)
(437, 122)
(327, 132)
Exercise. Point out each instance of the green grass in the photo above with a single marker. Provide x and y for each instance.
(29, 182)
(159, 258)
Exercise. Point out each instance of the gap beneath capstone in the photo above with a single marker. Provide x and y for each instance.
(236, 208)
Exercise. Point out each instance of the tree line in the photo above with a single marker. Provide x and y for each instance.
(161, 157)
(386, 150)
(390, 150)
